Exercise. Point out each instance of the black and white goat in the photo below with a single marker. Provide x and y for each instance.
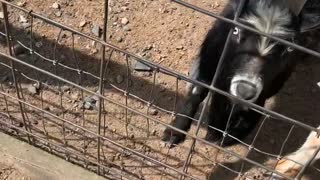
(255, 68)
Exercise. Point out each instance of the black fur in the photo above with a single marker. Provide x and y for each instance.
(274, 68)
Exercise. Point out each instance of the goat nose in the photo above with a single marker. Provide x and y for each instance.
(246, 90)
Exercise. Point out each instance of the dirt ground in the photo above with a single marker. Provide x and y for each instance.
(9, 173)
(162, 32)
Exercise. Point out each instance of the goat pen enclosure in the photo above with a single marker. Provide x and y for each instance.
(76, 95)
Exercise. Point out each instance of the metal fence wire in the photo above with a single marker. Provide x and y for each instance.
(54, 99)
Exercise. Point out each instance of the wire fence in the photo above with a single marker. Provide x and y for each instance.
(74, 110)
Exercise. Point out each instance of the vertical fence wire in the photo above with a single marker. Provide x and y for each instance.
(11, 53)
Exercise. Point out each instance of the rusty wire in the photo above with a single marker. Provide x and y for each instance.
(100, 138)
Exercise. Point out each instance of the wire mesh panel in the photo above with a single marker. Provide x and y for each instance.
(95, 107)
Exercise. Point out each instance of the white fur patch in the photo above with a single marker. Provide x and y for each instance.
(246, 77)
(270, 19)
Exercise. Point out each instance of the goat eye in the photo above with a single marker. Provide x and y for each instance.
(236, 31)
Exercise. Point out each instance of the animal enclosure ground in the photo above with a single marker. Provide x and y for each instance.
(162, 32)
(9, 173)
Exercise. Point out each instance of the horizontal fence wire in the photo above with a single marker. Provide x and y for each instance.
(98, 134)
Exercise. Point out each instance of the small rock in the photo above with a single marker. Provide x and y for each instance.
(90, 100)
(21, 3)
(93, 44)
(80, 105)
(96, 30)
(76, 95)
(131, 136)
(33, 90)
(37, 85)
(215, 5)
(26, 25)
(126, 28)
(119, 79)
(58, 13)
(119, 39)
(126, 153)
(124, 8)
(64, 35)
(124, 21)
(154, 132)
(138, 66)
(96, 98)
(148, 149)
(162, 144)
(19, 50)
(148, 48)
(83, 23)
(87, 106)
(153, 112)
(20, 124)
(140, 105)
(55, 5)
(12, 131)
(179, 47)
(39, 44)
(117, 156)
(94, 51)
(83, 105)
(1, 15)
(47, 108)
(22, 19)
(65, 88)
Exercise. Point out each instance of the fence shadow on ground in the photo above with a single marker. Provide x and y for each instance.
(298, 99)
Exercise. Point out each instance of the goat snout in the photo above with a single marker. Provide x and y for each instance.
(246, 90)
(246, 87)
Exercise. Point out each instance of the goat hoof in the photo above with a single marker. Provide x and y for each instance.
(172, 138)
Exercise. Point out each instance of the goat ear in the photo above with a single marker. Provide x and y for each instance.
(295, 6)
(310, 21)
(310, 16)
(233, 4)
